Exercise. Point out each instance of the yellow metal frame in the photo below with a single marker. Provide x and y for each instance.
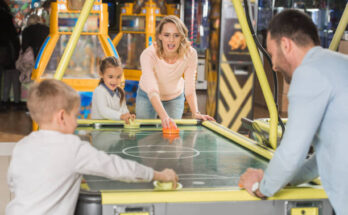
(77, 84)
(150, 29)
(264, 125)
(132, 74)
(70, 47)
(49, 48)
(207, 195)
(240, 139)
(255, 57)
(340, 30)
(117, 38)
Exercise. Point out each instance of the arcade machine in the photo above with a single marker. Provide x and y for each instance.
(230, 72)
(260, 128)
(212, 56)
(93, 45)
(196, 19)
(138, 22)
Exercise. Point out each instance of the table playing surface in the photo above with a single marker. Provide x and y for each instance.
(202, 158)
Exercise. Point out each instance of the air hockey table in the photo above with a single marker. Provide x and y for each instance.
(208, 159)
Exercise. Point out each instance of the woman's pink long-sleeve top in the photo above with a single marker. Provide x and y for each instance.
(165, 80)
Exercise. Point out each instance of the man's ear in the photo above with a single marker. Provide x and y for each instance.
(286, 45)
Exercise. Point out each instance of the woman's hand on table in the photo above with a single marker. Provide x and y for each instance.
(127, 116)
(168, 123)
(203, 117)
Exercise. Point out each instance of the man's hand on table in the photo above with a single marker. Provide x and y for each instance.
(249, 178)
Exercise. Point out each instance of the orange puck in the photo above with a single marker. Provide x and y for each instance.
(170, 130)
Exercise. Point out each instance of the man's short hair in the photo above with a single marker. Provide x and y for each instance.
(48, 97)
(295, 25)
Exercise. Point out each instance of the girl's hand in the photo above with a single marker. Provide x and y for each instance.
(127, 116)
(132, 117)
(204, 117)
(168, 122)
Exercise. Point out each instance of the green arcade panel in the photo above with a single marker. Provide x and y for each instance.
(208, 159)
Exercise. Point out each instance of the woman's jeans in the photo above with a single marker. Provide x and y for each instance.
(144, 109)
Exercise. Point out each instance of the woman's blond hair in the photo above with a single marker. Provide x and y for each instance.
(184, 43)
(48, 97)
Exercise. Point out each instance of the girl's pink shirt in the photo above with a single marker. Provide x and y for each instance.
(164, 79)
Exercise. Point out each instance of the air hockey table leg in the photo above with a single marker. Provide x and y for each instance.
(88, 204)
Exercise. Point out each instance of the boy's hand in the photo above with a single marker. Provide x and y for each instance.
(127, 116)
(166, 175)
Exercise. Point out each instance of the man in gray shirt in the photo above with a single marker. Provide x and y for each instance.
(317, 114)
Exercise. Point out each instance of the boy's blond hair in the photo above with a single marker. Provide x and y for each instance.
(48, 97)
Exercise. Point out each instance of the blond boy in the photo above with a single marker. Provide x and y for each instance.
(47, 165)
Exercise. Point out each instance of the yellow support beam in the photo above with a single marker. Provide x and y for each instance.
(256, 59)
(239, 139)
(340, 30)
(117, 38)
(70, 47)
(232, 194)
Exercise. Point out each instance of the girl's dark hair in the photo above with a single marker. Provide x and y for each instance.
(295, 25)
(114, 63)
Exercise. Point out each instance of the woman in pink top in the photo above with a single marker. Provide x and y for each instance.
(162, 86)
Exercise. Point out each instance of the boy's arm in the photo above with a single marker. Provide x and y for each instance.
(89, 160)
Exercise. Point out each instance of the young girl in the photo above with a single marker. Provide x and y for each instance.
(108, 100)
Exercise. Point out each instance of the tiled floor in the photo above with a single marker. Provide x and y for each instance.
(16, 124)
